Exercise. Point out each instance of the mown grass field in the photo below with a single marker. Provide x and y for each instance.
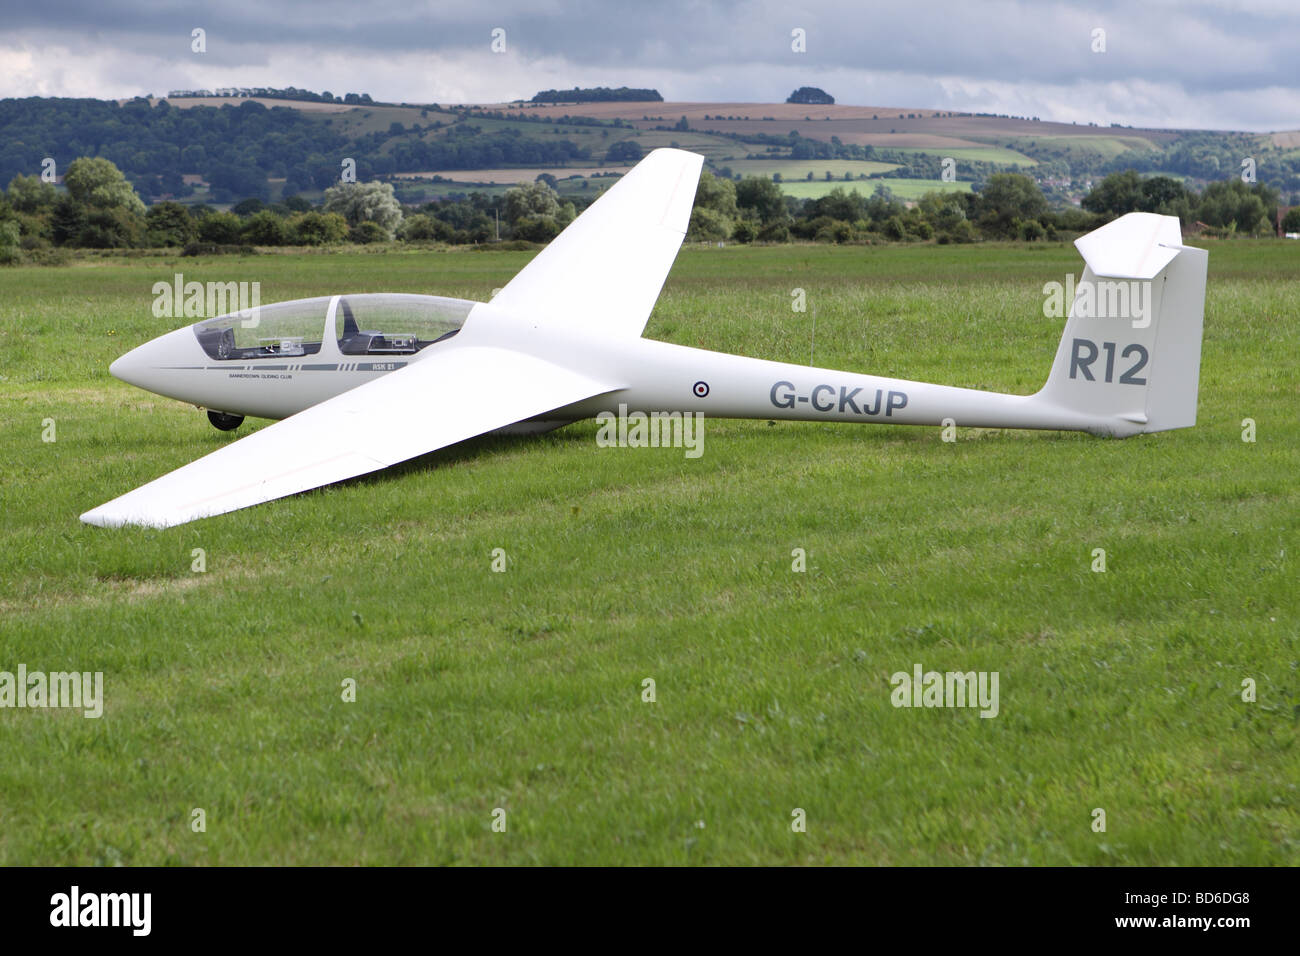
(523, 690)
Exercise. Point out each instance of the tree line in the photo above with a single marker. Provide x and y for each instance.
(236, 148)
(598, 94)
(99, 208)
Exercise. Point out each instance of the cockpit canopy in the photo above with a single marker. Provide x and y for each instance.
(385, 323)
(392, 324)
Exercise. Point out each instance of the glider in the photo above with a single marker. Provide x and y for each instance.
(362, 382)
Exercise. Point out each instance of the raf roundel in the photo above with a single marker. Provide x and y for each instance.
(701, 389)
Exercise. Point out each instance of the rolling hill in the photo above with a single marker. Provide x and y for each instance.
(431, 150)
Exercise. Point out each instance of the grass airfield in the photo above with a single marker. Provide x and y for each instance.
(522, 691)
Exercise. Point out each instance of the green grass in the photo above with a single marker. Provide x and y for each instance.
(522, 690)
(374, 119)
(901, 188)
(716, 149)
(989, 154)
(1107, 146)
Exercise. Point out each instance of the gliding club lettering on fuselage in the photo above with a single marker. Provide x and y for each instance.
(843, 400)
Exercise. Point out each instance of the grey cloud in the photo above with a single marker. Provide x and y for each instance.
(1214, 51)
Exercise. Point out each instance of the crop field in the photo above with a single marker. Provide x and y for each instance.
(907, 189)
(1164, 690)
(716, 149)
(1104, 145)
(980, 154)
(793, 169)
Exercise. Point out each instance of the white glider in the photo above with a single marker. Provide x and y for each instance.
(365, 381)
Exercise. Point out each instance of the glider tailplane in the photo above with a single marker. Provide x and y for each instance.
(1131, 353)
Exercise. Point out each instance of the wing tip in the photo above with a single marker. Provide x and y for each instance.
(102, 517)
(96, 517)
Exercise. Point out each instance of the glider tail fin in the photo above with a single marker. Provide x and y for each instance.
(1131, 353)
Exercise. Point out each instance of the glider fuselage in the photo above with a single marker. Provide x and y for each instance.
(281, 375)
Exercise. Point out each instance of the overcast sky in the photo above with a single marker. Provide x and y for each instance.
(1215, 64)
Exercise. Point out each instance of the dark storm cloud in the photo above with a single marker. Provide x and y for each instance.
(739, 51)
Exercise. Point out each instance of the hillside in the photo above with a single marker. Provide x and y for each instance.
(219, 149)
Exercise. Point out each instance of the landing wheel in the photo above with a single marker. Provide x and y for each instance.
(224, 420)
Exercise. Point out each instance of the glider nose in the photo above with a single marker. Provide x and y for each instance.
(132, 367)
(148, 366)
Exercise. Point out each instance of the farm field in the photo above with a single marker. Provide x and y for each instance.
(523, 691)
(1107, 146)
(906, 189)
(981, 154)
(799, 168)
(515, 175)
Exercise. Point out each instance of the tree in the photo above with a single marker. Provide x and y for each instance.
(265, 229)
(367, 231)
(31, 194)
(10, 252)
(114, 227)
(1161, 192)
(169, 224)
(1031, 230)
(840, 204)
(366, 202)
(1234, 206)
(1127, 191)
(708, 225)
(716, 194)
(424, 226)
(810, 94)
(221, 228)
(67, 220)
(96, 182)
(536, 228)
(1291, 221)
(1008, 199)
(530, 199)
(238, 179)
(318, 228)
(762, 197)
(1117, 194)
(624, 151)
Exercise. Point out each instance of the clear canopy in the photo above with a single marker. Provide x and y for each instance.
(267, 331)
(368, 324)
(391, 323)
